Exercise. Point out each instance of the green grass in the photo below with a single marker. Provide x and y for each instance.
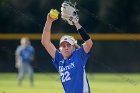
(50, 83)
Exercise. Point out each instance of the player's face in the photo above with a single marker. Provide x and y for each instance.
(66, 49)
(24, 42)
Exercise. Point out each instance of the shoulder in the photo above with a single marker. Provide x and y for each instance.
(79, 49)
(58, 53)
(58, 57)
(19, 47)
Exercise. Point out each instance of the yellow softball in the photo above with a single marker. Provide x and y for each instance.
(54, 14)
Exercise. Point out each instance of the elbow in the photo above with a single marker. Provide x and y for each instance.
(42, 41)
(90, 43)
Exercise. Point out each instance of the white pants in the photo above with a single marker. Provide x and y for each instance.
(25, 67)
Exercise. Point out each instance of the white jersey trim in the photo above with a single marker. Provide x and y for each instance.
(85, 83)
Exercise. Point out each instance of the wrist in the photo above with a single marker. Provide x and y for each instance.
(77, 25)
(48, 23)
(83, 34)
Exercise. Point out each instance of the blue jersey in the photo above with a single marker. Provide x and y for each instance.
(72, 71)
(25, 53)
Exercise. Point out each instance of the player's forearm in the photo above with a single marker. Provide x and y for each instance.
(83, 33)
(46, 32)
(87, 40)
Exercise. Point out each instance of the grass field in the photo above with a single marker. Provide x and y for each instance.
(50, 83)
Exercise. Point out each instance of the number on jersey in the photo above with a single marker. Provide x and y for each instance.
(65, 76)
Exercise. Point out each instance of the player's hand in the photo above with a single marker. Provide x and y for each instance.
(18, 65)
(49, 19)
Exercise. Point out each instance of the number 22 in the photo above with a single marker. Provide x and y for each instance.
(65, 76)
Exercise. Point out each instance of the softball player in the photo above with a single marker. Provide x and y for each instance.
(24, 57)
(69, 60)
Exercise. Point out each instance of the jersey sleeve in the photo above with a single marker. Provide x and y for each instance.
(58, 57)
(17, 52)
(83, 55)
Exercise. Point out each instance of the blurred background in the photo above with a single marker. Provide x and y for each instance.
(117, 19)
(96, 16)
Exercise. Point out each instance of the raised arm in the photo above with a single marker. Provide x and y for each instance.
(87, 40)
(46, 37)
